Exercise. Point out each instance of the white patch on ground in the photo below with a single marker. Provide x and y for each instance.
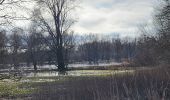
(82, 65)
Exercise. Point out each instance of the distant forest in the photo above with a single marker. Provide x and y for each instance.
(32, 48)
(38, 47)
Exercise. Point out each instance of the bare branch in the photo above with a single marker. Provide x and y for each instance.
(1, 1)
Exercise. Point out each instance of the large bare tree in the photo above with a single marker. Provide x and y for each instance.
(54, 16)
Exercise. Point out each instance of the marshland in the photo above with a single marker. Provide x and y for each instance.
(84, 50)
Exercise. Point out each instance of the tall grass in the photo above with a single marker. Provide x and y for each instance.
(153, 84)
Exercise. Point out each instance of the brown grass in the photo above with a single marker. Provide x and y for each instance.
(150, 84)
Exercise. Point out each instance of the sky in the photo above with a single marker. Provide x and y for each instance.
(113, 16)
(122, 17)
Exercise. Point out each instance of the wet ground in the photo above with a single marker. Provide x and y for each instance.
(50, 76)
(77, 73)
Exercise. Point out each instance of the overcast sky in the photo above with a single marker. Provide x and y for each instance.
(113, 16)
(122, 17)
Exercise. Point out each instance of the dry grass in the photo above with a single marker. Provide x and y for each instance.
(153, 84)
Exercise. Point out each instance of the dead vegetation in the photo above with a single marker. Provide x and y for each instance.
(153, 84)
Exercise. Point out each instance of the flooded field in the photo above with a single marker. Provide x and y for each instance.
(55, 75)
(48, 73)
(77, 73)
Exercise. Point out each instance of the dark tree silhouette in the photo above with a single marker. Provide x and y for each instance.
(59, 11)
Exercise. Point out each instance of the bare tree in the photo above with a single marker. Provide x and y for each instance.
(3, 50)
(162, 20)
(1, 1)
(118, 49)
(56, 23)
(34, 46)
(69, 44)
(15, 44)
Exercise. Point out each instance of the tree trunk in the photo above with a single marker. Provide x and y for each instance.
(35, 66)
(34, 61)
(60, 59)
(66, 57)
(60, 55)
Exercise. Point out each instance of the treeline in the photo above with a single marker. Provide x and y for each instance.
(95, 50)
(38, 47)
(32, 48)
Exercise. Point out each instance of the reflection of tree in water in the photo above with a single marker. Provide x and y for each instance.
(35, 73)
(62, 73)
(47, 73)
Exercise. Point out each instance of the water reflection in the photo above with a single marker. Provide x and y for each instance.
(77, 73)
(62, 73)
(51, 76)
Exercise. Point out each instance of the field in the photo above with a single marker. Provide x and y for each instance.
(151, 83)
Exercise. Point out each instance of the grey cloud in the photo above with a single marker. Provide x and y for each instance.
(108, 16)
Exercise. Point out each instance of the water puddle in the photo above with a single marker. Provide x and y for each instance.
(77, 73)
(50, 76)
(55, 76)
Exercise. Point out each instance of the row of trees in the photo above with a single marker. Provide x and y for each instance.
(98, 50)
(50, 39)
(33, 48)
